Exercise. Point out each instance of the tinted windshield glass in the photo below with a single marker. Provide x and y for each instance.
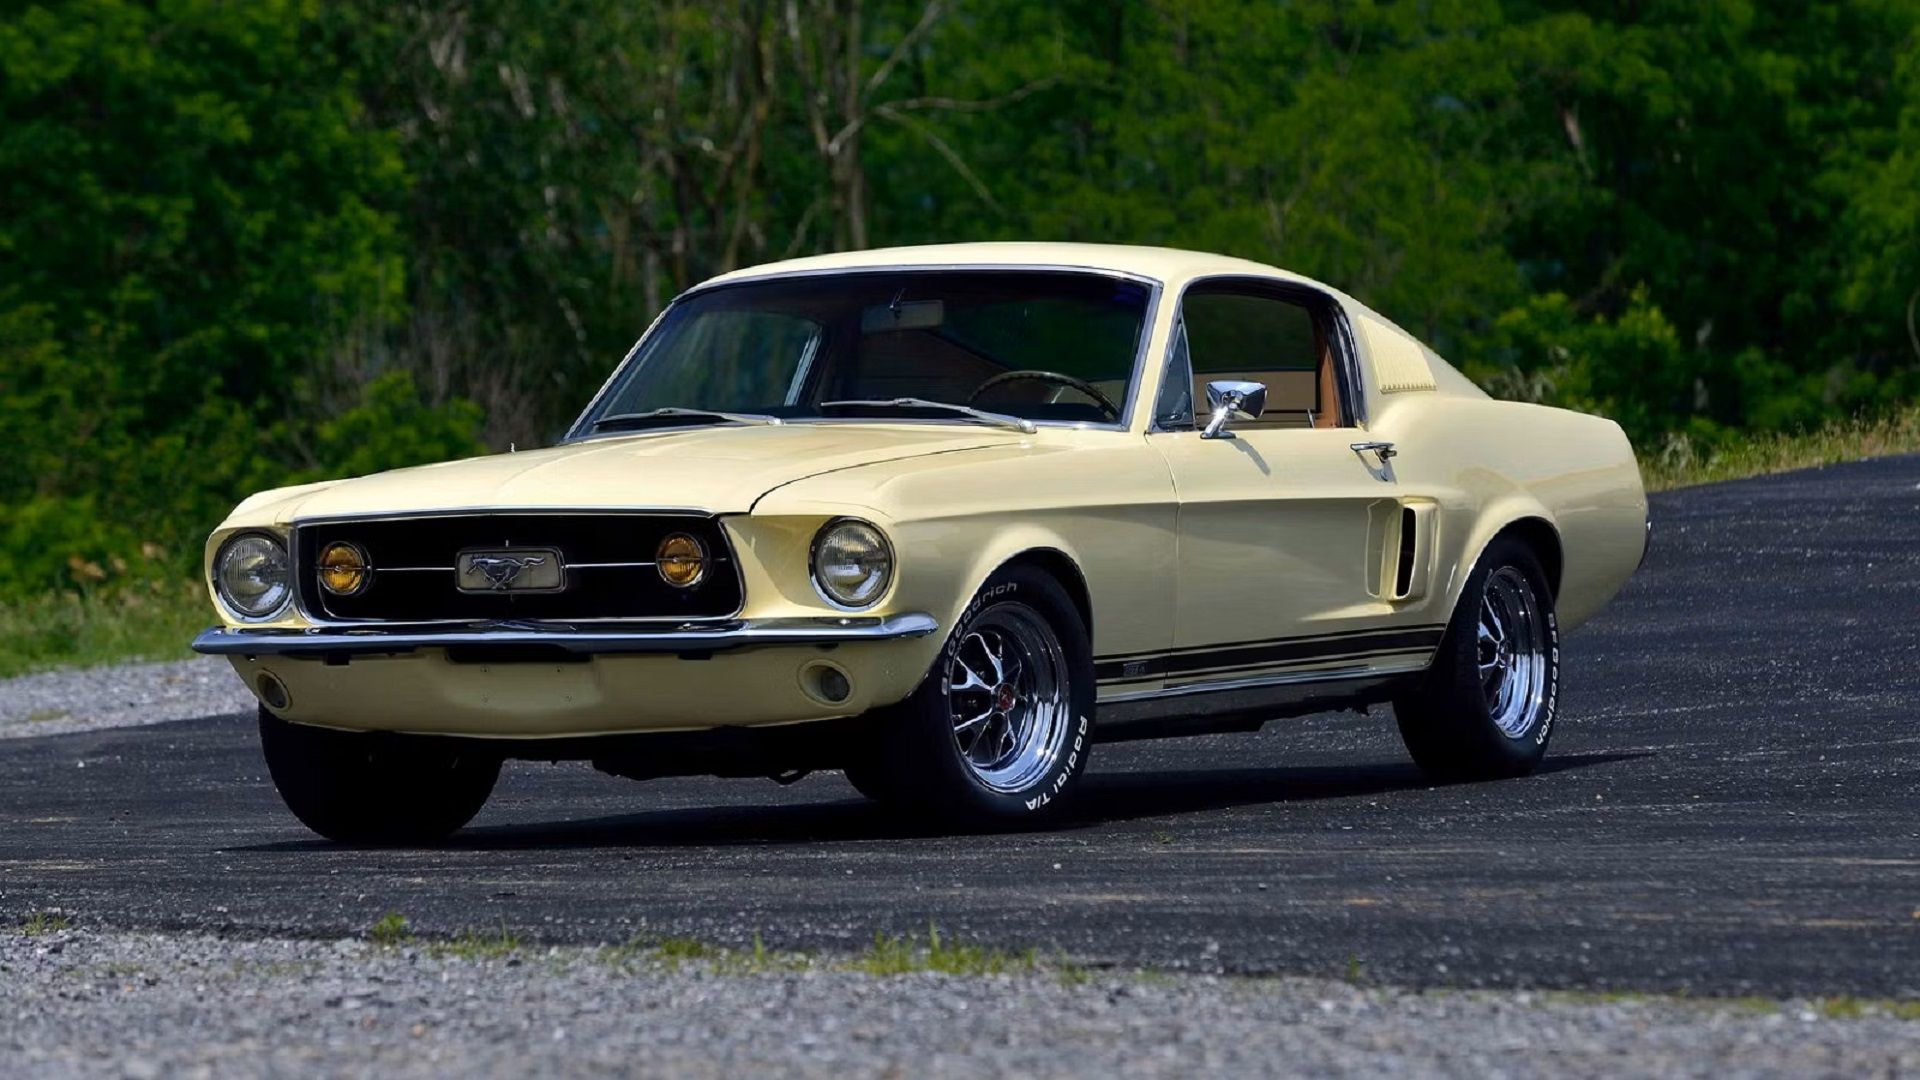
(785, 346)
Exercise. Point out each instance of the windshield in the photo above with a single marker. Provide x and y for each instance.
(1043, 346)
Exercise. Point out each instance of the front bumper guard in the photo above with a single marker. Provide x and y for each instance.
(689, 638)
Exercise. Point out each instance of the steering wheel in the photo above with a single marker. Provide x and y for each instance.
(1036, 375)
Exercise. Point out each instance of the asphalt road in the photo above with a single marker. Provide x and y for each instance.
(1731, 805)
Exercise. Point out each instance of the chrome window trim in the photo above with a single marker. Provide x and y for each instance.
(578, 431)
(868, 421)
(299, 599)
(932, 268)
(1176, 336)
(1353, 396)
(683, 637)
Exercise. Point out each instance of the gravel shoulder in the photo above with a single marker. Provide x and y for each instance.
(75, 1003)
(119, 695)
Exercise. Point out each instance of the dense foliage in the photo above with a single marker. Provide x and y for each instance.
(244, 243)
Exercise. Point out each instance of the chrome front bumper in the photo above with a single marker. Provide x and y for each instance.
(690, 638)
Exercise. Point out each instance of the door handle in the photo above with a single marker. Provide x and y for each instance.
(1385, 450)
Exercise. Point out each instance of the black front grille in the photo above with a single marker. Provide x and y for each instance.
(415, 560)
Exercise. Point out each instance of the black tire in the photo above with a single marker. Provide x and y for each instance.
(924, 763)
(376, 788)
(1453, 722)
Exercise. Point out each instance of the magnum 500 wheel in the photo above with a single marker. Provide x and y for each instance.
(354, 787)
(999, 730)
(1487, 705)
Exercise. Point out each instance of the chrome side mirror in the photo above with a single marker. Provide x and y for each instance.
(1233, 400)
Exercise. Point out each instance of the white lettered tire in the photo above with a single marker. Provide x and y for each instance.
(998, 733)
(1487, 705)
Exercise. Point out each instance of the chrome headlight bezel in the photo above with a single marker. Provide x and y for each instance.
(859, 600)
(229, 605)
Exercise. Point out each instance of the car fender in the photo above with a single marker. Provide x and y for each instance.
(1505, 513)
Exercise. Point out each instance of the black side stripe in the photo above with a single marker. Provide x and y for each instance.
(1154, 654)
(1188, 678)
(1218, 658)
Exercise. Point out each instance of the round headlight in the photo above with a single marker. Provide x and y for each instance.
(250, 573)
(681, 560)
(343, 568)
(852, 563)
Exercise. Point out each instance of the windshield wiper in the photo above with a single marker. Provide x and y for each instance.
(673, 414)
(966, 411)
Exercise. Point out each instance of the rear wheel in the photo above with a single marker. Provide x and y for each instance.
(1486, 707)
(376, 788)
(999, 730)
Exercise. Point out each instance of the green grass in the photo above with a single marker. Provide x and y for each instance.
(41, 923)
(1852, 1008)
(390, 931)
(674, 953)
(83, 629)
(478, 945)
(1682, 464)
(890, 955)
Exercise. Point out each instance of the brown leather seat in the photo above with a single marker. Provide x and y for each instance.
(1296, 397)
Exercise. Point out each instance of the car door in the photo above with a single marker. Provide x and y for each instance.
(1294, 548)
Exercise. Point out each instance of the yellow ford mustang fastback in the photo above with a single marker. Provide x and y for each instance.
(942, 518)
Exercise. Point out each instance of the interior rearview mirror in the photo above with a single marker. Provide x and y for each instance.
(903, 315)
(1231, 399)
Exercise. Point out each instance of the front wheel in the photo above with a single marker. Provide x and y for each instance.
(366, 788)
(1486, 707)
(999, 730)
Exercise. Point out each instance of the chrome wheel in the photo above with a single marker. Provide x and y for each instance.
(1511, 651)
(1008, 698)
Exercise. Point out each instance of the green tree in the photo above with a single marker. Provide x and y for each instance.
(195, 218)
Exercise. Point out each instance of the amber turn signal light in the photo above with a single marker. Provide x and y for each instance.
(681, 560)
(344, 569)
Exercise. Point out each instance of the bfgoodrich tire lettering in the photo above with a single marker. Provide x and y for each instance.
(1000, 729)
(367, 788)
(1487, 705)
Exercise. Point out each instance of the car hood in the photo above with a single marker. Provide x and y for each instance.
(717, 469)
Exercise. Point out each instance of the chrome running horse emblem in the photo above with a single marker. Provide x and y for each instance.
(535, 570)
(501, 570)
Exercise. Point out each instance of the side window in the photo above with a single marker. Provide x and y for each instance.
(1173, 409)
(1237, 332)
